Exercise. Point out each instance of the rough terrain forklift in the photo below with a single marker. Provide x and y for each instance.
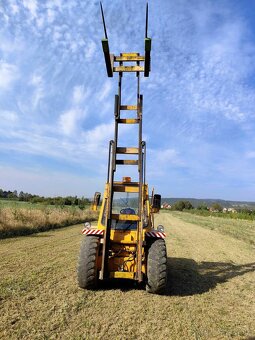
(125, 243)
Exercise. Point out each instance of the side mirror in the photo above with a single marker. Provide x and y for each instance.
(156, 205)
(97, 198)
(96, 201)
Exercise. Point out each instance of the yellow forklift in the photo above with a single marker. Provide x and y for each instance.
(125, 243)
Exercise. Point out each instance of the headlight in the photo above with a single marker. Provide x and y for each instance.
(87, 225)
(160, 228)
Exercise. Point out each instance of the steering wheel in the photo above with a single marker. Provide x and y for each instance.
(127, 211)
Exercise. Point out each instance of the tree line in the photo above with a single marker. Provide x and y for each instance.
(215, 207)
(27, 197)
(186, 205)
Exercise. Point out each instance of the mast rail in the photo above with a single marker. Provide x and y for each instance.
(136, 63)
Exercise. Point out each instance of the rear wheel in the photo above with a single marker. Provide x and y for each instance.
(157, 267)
(87, 264)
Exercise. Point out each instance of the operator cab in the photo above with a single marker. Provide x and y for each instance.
(124, 204)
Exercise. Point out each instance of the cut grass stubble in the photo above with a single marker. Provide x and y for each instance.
(239, 229)
(209, 292)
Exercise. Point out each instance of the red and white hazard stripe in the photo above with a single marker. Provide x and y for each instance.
(86, 231)
(157, 234)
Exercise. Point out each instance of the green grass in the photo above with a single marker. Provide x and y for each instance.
(239, 229)
(30, 205)
(11, 204)
(250, 216)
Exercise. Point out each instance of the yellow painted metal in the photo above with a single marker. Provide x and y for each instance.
(128, 121)
(125, 188)
(129, 58)
(125, 217)
(128, 107)
(93, 207)
(127, 161)
(128, 69)
(126, 183)
(96, 201)
(128, 150)
(123, 243)
(124, 236)
(103, 209)
(122, 275)
(130, 54)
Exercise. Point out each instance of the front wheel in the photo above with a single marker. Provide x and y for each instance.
(87, 272)
(157, 267)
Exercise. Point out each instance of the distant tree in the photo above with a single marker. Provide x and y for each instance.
(216, 207)
(188, 205)
(202, 206)
(68, 200)
(179, 205)
(21, 196)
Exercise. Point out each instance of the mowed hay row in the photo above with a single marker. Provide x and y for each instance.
(21, 221)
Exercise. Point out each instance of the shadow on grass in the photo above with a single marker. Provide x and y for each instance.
(187, 277)
(123, 284)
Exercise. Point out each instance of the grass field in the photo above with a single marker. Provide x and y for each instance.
(26, 218)
(240, 229)
(210, 292)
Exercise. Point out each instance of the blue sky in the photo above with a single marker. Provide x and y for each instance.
(56, 102)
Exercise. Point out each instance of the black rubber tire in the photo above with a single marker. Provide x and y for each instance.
(87, 272)
(157, 267)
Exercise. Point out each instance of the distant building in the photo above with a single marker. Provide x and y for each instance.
(232, 210)
(226, 210)
(166, 206)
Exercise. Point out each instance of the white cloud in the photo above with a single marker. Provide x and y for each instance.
(69, 119)
(8, 74)
(40, 22)
(166, 155)
(205, 93)
(90, 49)
(48, 182)
(79, 94)
(14, 7)
(250, 154)
(56, 36)
(97, 139)
(56, 3)
(103, 94)
(31, 5)
(39, 91)
(51, 14)
(84, 148)
(8, 116)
